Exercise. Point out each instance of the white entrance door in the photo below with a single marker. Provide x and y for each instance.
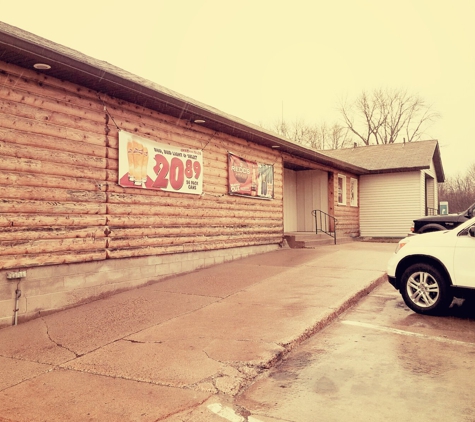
(304, 191)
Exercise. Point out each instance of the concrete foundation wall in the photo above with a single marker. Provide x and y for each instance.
(52, 288)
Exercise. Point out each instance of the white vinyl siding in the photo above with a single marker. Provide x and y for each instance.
(290, 201)
(389, 202)
(432, 193)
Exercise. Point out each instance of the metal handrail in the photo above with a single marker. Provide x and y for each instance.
(327, 222)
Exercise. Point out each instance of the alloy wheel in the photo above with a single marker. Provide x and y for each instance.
(422, 289)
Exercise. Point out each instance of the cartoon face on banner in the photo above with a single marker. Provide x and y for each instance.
(249, 178)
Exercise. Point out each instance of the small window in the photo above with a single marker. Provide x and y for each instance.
(354, 192)
(341, 189)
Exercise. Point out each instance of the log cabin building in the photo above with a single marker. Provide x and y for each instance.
(111, 182)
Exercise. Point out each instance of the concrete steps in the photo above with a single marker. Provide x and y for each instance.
(302, 240)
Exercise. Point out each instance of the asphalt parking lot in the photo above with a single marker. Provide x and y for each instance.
(378, 361)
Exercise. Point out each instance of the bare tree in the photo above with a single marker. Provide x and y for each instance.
(314, 136)
(337, 137)
(459, 191)
(382, 116)
(298, 131)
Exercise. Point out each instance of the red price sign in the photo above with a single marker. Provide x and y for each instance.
(150, 165)
(175, 172)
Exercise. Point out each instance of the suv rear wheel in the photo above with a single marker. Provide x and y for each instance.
(425, 290)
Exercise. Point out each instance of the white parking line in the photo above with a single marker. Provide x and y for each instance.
(229, 414)
(407, 333)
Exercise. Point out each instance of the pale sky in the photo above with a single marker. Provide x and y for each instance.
(259, 59)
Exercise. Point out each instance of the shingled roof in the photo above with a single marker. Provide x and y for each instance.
(390, 158)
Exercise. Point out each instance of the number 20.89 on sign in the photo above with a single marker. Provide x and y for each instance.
(175, 173)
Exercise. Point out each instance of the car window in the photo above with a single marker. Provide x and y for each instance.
(464, 232)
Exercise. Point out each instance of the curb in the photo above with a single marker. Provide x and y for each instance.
(318, 326)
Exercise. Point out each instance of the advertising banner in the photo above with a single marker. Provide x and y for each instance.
(250, 178)
(147, 164)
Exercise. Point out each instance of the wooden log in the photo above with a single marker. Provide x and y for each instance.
(150, 241)
(24, 165)
(16, 137)
(50, 207)
(40, 114)
(47, 181)
(21, 247)
(39, 220)
(35, 260)
(34, 98)
(14, 234)
(191, 230)
(47, 129)
(123, 209)
(46, 155)
(47, 194)
(122, 221)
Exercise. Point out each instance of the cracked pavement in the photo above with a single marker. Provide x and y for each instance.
(163, 351)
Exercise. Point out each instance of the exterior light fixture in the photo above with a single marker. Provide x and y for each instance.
(199, 121)
(275, 146)
(42, 66)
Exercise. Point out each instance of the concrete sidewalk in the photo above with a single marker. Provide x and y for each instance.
(158, 352)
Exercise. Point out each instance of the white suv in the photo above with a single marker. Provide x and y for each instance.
(431, 269)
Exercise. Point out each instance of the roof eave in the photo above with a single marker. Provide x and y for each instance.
(439, 169)
(398, 170)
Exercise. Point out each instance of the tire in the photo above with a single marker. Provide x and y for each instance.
(425, 290)
(431, 228)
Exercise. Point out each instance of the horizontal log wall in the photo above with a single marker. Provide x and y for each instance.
(348, 216)
(61, 202)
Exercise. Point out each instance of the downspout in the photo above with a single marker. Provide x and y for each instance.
(17, 297)
(16, 275)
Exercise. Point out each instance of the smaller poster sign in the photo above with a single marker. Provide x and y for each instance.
(151, 165)
(250, 178)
